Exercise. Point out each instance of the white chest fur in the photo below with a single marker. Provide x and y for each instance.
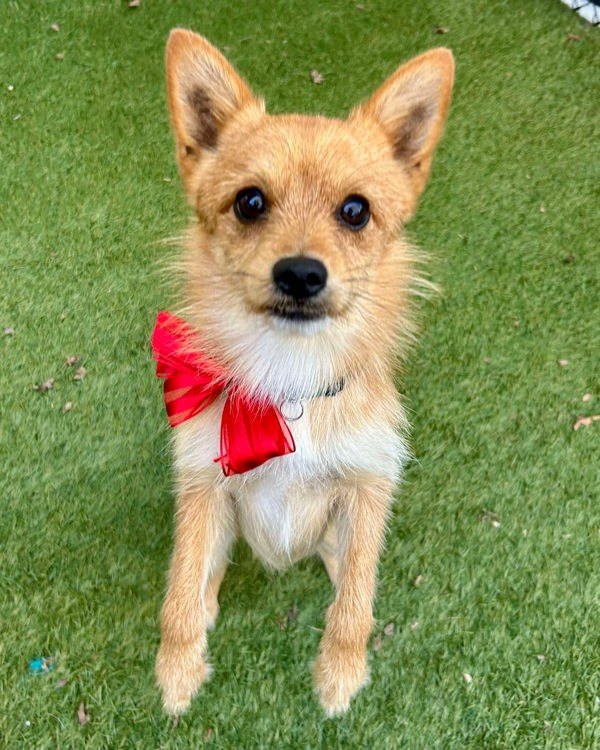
(284, 505)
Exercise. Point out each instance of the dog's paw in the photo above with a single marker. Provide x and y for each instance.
(339, 675)
(180, 671)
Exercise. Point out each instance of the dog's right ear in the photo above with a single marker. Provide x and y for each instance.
(205, 93)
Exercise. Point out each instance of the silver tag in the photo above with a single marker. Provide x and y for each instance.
(291, 411)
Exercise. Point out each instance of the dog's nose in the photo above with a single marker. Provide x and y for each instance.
(299, 277)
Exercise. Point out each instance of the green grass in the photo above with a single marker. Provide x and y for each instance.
(88, 187)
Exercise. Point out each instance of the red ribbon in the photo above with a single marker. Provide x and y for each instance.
(252, 431)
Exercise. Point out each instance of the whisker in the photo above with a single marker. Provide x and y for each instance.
(351, 279)
(225, 275)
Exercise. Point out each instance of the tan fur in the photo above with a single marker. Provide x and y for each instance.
(333, 494)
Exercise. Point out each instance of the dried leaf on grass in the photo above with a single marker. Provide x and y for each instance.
(45, 386)
(563, 362)
(290, 617)
(55, 27)
(134, 3)
(68, 406)
(71, 360)
(488, 516)
(80, 373)
(9, 331)
(316, 77)
(82, 715)
(387, 632)
(582, 421)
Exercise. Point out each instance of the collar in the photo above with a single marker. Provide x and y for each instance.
(293, 409)
(331, 390)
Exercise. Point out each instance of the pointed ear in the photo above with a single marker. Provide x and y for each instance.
(204, 93)
(411, 107)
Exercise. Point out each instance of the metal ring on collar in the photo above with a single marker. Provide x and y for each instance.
(296, 412)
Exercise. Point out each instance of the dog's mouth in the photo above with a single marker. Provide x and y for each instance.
(298, 311)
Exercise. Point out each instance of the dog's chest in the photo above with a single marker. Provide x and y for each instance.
(283, 506)
(282, 520)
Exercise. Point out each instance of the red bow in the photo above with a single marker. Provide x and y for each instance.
(252, 431)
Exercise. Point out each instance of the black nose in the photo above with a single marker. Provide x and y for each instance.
(299, 277)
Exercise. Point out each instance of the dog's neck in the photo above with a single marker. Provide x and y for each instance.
(279, 363)
(280, 367)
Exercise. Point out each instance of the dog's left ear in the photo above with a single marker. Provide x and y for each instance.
(411, 107)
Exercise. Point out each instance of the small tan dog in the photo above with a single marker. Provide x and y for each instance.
(297, 284)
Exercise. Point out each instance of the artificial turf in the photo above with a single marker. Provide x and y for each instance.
(498, 522)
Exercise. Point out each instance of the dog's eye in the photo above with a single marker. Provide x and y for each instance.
(355, 212)
(250, 204)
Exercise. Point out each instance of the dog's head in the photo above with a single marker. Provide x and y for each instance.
(296, 256)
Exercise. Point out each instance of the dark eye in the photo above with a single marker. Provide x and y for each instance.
(250, 204)
(355, 212)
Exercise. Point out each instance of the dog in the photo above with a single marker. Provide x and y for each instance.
(279, 368)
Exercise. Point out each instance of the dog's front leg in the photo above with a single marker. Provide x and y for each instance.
(341, 668)
(203, 537)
